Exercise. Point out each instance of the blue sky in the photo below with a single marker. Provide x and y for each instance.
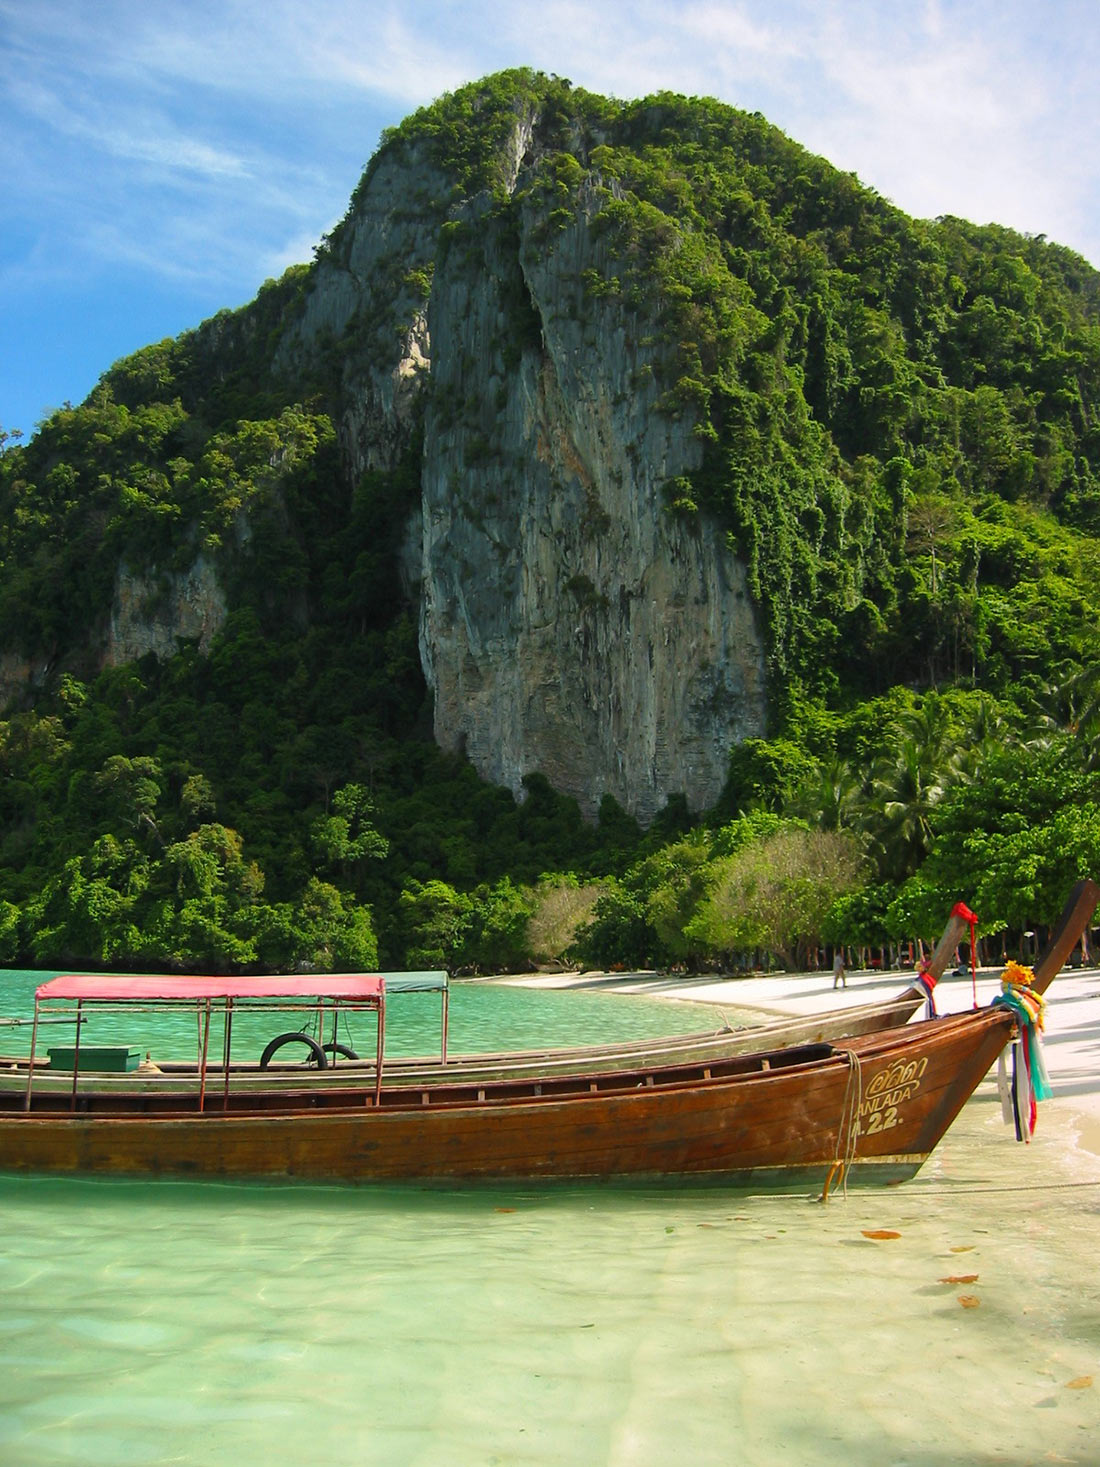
(162, 158)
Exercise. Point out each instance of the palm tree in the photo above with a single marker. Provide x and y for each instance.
(908, 783)
(831, 797)
(1075, 707)
(905, 789)
(986, 732)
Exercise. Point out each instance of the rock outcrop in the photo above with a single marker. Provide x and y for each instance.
(570, 623)
(154, 614)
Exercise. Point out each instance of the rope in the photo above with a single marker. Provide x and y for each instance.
(848, 1130)
(1023, 1187)
(920, 1189)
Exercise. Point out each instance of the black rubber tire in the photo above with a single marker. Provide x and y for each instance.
(317, 1054)
(338, 1049)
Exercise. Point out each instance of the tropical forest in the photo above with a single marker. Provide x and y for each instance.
(219, 745)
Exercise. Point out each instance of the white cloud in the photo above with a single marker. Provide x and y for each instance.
(134, 133)
(955, 117)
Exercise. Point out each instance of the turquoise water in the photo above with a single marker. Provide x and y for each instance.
(482, 1017)
(161, 1322)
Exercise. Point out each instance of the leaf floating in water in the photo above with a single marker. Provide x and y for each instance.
(969, 1301)
(880, 1233)
(960, 1278)
(504, 1209)
(1079, 1383)
(963, 1248)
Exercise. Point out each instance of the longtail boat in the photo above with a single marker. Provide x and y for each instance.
(319, 1056)
(871, 1107)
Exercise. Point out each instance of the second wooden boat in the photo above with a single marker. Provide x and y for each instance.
(317, 1055)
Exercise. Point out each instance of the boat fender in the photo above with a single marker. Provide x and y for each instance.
(339, 1049)
(317, 1055)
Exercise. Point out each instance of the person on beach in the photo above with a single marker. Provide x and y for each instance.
(840, 972)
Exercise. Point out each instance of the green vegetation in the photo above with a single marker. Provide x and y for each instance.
(900, 431)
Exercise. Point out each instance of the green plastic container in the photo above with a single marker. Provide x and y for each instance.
(112, 1059)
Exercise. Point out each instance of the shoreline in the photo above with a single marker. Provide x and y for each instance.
(1071, 1036)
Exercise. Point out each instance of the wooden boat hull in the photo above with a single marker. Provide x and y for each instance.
(880, 1102)
(251, 1077)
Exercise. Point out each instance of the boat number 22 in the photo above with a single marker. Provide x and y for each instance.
(886, 1091)
(882, 1120)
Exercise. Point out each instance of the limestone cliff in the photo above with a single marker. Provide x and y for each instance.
(570, 624)
(472, 329)
(155, 615)
(367, 302)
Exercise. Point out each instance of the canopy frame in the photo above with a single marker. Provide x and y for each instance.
(319, 993)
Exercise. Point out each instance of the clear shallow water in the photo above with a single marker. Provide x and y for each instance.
(174, 1323)
(164, 1323)
(482, 1017)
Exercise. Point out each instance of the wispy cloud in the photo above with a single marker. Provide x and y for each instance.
(126, 130)
(934, 104)
(953, 114)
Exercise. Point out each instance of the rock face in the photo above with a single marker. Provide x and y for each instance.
(570, 624)
(154, 614)
(371, 296)
(19, 679)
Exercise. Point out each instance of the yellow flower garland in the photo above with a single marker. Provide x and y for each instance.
(1018, 980)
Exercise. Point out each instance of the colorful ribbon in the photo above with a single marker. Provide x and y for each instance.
(1030, 1081)
(927, 981)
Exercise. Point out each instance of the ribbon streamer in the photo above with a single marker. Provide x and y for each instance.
(1030, 1082)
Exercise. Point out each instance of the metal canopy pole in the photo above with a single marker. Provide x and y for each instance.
(202, 1059)
(30, 1062)
(381, 1017)
(225, 1051)
(76, 1056)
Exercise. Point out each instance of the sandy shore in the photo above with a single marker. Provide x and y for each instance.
(1071, 1041)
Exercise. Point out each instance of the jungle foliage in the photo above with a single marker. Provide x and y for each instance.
(900, 425)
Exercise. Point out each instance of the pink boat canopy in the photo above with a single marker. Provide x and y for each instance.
(115, 988)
